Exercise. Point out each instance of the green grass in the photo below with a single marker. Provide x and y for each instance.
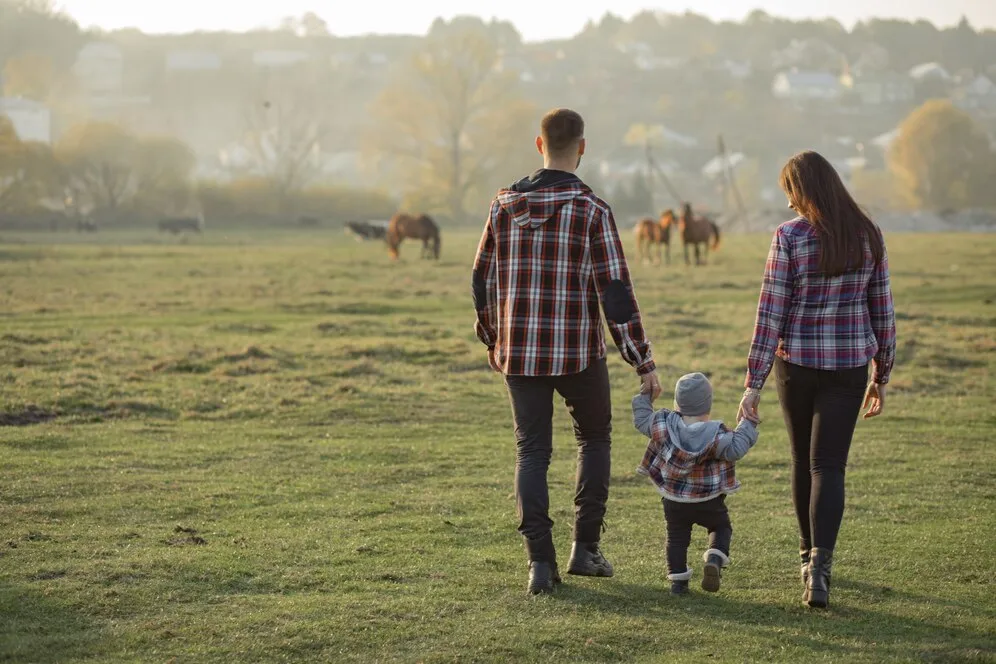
(289, 449)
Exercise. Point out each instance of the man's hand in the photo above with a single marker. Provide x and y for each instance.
(650, 384)
(492, 362)
(874, 400)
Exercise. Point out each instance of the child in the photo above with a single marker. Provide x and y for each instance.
(690, 459)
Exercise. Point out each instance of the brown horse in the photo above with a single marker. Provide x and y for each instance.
(650, 233)
(421, 227)
(696, 231)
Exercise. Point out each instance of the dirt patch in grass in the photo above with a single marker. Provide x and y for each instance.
(86, 411)
(245, 328)
(26, 416)
(183, 536)
(48, 575)
(249, 361)
(25, 339)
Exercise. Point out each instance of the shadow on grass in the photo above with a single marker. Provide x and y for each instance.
(36, 628)
(814, 630)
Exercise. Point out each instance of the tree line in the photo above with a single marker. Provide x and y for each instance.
(448, 128)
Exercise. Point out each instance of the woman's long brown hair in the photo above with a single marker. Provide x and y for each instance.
(816, 192)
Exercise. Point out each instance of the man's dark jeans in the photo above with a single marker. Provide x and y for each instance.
(587, 397)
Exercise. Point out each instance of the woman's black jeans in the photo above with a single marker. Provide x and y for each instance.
(821, 410)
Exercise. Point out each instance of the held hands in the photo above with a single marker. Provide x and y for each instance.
(874, 400)
(748, 407)
(650, 384)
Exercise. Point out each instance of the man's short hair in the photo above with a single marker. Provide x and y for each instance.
(561, 130)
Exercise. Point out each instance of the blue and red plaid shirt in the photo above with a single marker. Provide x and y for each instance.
(548, 257)
(816, 321)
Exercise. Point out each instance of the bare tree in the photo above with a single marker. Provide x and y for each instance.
(288, 122)
(453, 121)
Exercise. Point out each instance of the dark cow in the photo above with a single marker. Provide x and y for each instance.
(366, 230)
(179, 225)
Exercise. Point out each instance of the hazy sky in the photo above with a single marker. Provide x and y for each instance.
(535, 20)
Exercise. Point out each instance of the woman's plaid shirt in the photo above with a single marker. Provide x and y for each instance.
(820, 322)
(546, 260)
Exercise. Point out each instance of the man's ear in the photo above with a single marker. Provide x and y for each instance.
(581, 146)
(539, 144)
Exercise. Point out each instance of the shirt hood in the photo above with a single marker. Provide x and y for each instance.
(536, 198)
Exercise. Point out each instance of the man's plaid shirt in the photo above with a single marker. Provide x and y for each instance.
(546, 260)
(820, 322)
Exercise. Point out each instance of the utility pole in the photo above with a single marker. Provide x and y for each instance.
(729, 182)
(652, 167)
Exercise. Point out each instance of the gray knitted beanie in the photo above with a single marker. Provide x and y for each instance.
(693, 395)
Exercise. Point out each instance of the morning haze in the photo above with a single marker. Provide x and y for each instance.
(321, 126)
(247, 413)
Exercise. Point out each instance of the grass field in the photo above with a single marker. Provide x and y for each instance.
(287, 449)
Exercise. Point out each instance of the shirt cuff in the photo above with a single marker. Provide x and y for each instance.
(646, 367)
(753, 382)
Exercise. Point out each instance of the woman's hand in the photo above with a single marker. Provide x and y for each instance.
(874, 400)
(748, 407)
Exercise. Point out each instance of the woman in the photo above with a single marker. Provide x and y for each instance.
(824, 312)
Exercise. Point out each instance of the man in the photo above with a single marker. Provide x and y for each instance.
(549, 255)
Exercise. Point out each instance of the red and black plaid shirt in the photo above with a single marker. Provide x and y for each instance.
(546, 260)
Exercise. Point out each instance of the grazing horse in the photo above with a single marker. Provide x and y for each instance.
(650, 233)
(696, 231)
(419, 228)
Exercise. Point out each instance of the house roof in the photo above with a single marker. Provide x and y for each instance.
(719, 163)
(929, 70)
(885, 140)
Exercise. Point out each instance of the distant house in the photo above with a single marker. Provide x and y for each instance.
(32, 120)
(929, 71)
(979, 93)
(805, 85)
(192, 61)
(277, 59)
(879, 89)
(884, 141)
(99, 68)
(719, 164)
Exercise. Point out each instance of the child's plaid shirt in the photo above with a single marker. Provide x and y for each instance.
(689, 476)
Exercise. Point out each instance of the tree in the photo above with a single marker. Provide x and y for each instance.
(313, 25)
(942, 159)
(99, 159)
(30, 75)
(25, 24)
(163, 172)
(451, 128)
(28, 172)
(880, 190)
(287, 121)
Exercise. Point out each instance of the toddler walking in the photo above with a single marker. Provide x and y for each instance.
(691, 460)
